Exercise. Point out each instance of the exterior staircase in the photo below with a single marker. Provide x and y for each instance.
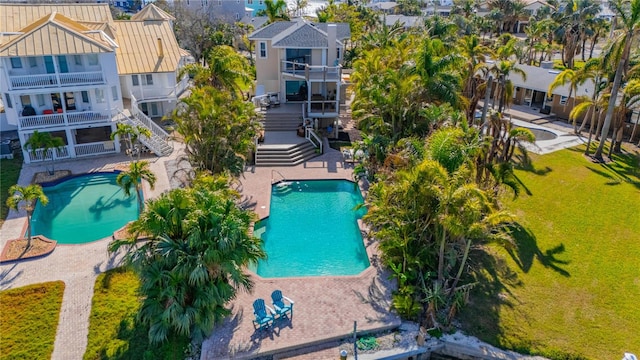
(281, 121)
(159, 142)
(284, 155)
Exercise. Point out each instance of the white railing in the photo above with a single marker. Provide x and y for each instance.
(323, 106)
(182, 85)
(51, 80)
(38, 155)
(87, 116)
(30, 81)
(41, 120)
(150, 124)
(153, 92)
(313, 138)
(306, 70)
(96, 148)
(94, 77)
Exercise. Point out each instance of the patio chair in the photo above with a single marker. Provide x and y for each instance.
(282, 309)
(263, 318)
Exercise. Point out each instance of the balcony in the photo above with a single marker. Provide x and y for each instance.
(311, 72)
(55, 80)
(56, 154)
(63, 119)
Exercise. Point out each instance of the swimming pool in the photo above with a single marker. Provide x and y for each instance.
(541, 134)
(312, 230)
(84, 208)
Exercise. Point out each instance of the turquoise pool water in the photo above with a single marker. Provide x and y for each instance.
(312, 230)
(83, 209)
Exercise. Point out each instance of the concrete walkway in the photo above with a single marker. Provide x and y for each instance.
(76, 265)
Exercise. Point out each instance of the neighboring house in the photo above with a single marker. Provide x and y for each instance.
(225, 10)
(406, 21)
(387, 7)
(255, 6)
(256, 21)
(300, 61)
(66, 70)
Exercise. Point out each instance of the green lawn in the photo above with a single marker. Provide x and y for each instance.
(113, 330)
(10, 170)
(571, 288)
(29, 319)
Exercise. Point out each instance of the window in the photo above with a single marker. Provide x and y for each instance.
(134, 80)
(260, 2)
(77, 59)
(250, 2)
(263, 50)
(147, 79)
(237, 16)
(25, 100)
(99, 95)
(154, 109)
(85, 96)
(9, 103)
(338, 53)
(93, 59)
(33, 62)
(16, 63)
(40, 98)
(219, 2)
(114, 93)
(563, 100)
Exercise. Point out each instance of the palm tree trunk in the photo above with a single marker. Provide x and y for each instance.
(592, 127)
(460, 269)
(612, 104)
(29, 213)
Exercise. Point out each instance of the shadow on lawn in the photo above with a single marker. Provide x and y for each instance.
(526, 250)
(523, 162)
(495, 281)
(625, 168)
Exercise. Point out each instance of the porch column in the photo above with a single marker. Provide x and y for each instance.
(544, 102)
(116, 141)
(533, 93)
(71, 141)
(25, 153)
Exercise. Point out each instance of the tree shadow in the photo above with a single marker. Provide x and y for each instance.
(526, 250)
(523, 162)
(624, 168)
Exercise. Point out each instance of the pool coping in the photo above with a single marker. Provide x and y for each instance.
(364, 230)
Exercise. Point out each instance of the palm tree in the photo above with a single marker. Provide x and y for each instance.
(138, 171)
(130, 133)
(194, 262)
(39, 144)
(435, 65)
(628, 15)
(218, 129)
(502, 69)
(275, 10)
(28, 195)
(227, 70)
(475, 55)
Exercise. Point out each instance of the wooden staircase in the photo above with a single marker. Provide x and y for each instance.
(284, 155)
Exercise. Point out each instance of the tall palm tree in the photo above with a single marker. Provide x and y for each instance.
(194, 262)
(501, 70)
(39, 144)
(28, 195)
(475, 55)
(138, 171)
(435, 65)
(628, 15)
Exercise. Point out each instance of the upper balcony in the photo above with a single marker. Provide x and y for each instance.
(19, 82)
(314, 73)
(51, 72)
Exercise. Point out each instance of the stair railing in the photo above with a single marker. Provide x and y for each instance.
(310, 135)
(279, 173)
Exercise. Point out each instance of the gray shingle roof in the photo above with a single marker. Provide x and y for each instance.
(343, 31)
(305, 36)
(271, 30)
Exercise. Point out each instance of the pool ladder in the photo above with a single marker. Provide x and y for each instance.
(273, 180)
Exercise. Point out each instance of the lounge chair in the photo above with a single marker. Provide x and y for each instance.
(264, 318)
(282, 309)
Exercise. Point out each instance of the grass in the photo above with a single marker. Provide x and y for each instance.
(10, 169)
(570, 289)
(114, 332)
(29, 320)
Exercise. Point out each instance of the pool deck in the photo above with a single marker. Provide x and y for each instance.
(325, 307)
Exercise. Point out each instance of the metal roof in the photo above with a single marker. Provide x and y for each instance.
(152, 12)
(271, 30)
(55, 34)
(14, 17)
(138, 50)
